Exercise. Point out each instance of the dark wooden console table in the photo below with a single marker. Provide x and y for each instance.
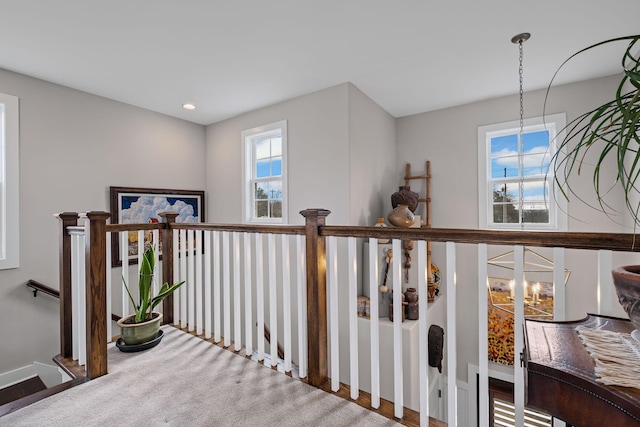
(561, 380)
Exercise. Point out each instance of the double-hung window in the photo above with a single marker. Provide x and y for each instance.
(9, 174)
(515, 182)
(265, 188)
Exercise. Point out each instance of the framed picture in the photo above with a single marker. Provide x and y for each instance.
(131, 205)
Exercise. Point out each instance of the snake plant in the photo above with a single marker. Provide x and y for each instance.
(144, 307)
(609, 131)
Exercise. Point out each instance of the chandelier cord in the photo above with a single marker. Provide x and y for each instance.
(521, 157)
(520, 39)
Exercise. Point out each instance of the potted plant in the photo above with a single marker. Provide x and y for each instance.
(143, 326)
(608, 131)
(611, 133)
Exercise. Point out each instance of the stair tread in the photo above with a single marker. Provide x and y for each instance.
(21, 389)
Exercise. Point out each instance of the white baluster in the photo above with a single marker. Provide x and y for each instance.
(260, 296)
(559, 313)
(483, 338)
(217, 300)
(226, 284)
(332, 256)
(191, 282)
(124, 256)
(157, 273)
(248, 300)
(273, 300)
(82, 301)
(606, 293)
(518, 324)
(183, 276)
(176, 277)
(237, 311)
(423, 331)
(109, 297)
(374, 324)
(286, 301)
(197, 255)
(302, 306)
(353, 317)
(452, 392)
(206, 253)
(398, 386)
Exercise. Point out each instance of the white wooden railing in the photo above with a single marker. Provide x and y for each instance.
(233, 278)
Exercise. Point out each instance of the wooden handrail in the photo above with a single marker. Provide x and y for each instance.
(39, 287)
(243, 228)
(626, 242)
(569, 240)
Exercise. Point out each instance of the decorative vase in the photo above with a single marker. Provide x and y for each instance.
(411, 298)
(627, 283)
(139, 333)
(381, 223)
(402, 309)
(431, 292)
(363, 306)
(401, 216)
(404, 196)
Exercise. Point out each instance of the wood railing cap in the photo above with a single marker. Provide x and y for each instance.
(98, 215)
(314, 212)
(66, 215)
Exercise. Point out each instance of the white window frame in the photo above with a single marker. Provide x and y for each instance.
(248, 137)
(555, 124)
(9, 185)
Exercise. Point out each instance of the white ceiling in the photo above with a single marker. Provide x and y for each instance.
(229, 57)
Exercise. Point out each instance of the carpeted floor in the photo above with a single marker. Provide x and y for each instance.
(185, 381)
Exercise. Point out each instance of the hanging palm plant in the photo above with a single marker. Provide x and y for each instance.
(608, 130)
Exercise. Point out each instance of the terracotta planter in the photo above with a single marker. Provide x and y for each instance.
(627, 283)
(139, 333)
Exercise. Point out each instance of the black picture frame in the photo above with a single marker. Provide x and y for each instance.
(135, 205)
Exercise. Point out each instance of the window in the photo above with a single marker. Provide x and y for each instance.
(265, 151)
(515, 184)
(9, 174)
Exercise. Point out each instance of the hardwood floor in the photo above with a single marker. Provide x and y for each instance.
(22, 389)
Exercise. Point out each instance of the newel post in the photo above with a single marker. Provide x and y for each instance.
(67, 219)
(96, 293)
(169, 218)
(316, 297)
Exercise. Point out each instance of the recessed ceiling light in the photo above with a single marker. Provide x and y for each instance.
(188, 106)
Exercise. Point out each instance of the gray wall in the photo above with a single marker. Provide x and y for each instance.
(341, 154)
(73, 146)
(373, 176)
